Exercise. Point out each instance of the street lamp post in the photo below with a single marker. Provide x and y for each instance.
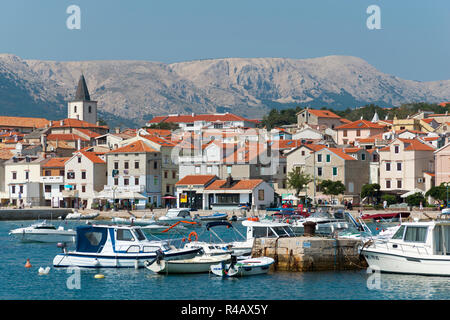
(447, 184)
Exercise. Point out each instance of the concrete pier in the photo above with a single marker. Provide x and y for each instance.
(33, 214)
(310, 253)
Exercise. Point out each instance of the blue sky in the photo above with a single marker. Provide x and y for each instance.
(413, 42)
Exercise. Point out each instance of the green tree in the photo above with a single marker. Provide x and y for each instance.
(389, 198)
(298, 180)
(332, 188)
(370, 191)
(438, 193)
(164, 126)
(415, 199)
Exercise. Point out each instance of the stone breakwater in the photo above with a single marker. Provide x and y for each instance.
(33, 214)
(310, 253)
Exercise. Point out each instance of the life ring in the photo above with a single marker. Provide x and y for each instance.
(253, 219)
(193, 233)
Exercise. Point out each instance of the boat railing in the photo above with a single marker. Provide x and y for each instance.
(402, 246)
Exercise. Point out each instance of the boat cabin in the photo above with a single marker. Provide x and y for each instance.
(432, 238)
(116, 239)
(260, 229)
(178, 213)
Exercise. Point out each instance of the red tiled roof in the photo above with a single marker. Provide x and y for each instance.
(430, 138)
(159, 132)
(443, 104)
(200, 117)
(23, 122)
(65, 137)
(284, 144)
(345, 120)
(323, 113)
(74, 123)
(6, 154)
(92, 156)
(195, 180)
(89, 133)
(341, 153)
(161, 141)
(413, 144)
(134, 147)
(55, 163)
(361, 124)
(249, 184)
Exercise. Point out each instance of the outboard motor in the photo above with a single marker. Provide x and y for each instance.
(63, 246)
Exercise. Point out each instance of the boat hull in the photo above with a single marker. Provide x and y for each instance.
(433, 265)
(195, 265)
(46, 237)
(135, 260)
(248, 267)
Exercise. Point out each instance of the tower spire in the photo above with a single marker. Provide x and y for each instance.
(82, 93)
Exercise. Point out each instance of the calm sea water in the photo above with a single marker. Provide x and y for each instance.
(20, 283)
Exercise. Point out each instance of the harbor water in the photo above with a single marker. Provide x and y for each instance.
(20, 283)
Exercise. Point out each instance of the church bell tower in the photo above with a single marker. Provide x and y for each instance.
(82, 107)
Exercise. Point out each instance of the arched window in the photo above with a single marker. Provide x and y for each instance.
(75, 109)
(90, 109)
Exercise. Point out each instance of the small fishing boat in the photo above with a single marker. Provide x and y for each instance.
(247, 267)
(78, 216)
(199, 264)
(134, 221)
(415, 248)
(44, 232)
(386, 217)
(116, 246)
(175, 215)
(217, 216)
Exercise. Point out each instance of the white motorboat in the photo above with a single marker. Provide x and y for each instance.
(245, 267)
(260, 229)
(217, 216)
(214, 248)
(326, 223)
(44, 232)
(114, 246)
(175, 215)
(78, 216)
(199, 264)
(415, 248)
(134, 221)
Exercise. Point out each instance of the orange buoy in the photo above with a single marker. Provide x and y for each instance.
(28, 264)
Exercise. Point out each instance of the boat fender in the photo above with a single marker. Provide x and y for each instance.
(193, 233)
(99, 276)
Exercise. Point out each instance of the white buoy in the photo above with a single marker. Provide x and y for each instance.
(43, 271)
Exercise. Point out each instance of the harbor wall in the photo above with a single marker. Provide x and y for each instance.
(33, 214)
(310, 253)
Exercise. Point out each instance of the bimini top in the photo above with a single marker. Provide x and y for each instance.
(218, 223)
(91, 238)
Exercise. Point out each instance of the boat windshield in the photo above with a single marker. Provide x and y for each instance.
(320, 214)
(282, 232)
(140, 235)
(45, 227)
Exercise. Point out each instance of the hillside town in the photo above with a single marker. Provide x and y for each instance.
(219, 161)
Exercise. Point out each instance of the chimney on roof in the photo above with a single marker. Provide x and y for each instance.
(117, 129)
(61, 123)
(51, 123)
(228, 182)
(79, 144)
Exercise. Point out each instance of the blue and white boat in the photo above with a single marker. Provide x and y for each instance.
(216, 216)
(116, 246)
(247, 267)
